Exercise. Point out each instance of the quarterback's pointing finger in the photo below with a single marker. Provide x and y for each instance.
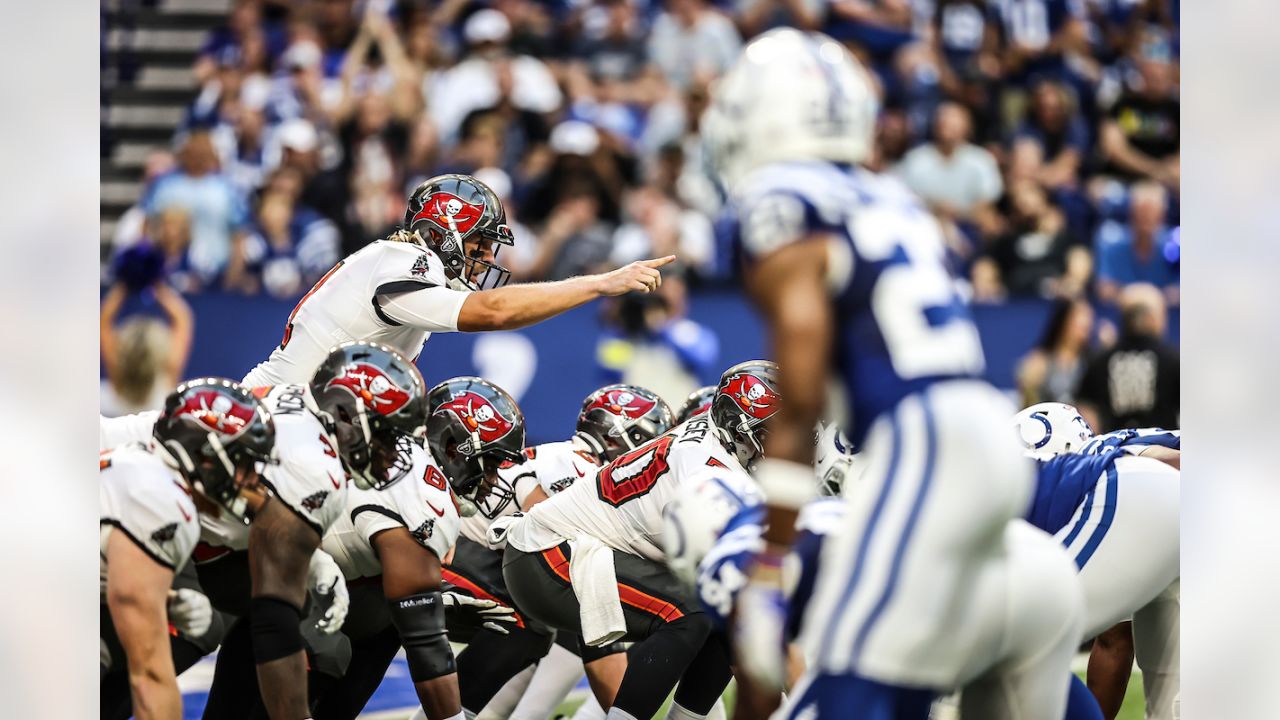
(657, 262)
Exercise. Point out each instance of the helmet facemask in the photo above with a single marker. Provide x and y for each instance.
(375, 458)
(219, 476)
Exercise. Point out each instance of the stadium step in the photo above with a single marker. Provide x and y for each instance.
(147, 39)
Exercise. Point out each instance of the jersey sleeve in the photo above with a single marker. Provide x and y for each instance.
(307, 479)
(371, 513)
(152, 511)
(773, 214)
(410, 288)
(434, 309)
(117, 431)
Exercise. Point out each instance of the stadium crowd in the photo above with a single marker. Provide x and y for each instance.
(1043, 133)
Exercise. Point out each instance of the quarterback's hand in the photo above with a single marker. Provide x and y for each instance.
(760, 622)
(329, 591)
(640, 275)
(485, 612)
(189, 611)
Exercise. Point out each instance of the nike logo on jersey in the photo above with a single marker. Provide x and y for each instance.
(183, 510)
(336, 484)
(580, 473)
(437, 511)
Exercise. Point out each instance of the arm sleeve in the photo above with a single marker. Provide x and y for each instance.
(434, 309)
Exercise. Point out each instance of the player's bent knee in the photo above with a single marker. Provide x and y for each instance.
(274, 624)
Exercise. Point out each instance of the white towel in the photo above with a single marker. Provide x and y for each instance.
(595, 582)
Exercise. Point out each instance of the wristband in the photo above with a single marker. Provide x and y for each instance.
(786, 484)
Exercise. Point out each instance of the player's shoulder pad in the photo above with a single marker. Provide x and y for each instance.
(149, 505)
(782, 203)
(406, 267)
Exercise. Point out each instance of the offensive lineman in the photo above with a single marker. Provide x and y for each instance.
(613, 419)
(207, 442)
(1113, 501)
(437, 274)
(559, 556)
(847, 269)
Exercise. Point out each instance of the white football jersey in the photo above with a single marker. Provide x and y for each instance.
(621, 506)
(308, 477)
(347, 304)
(117, 431)
(141, 496)
(551, 466)
(420, 503)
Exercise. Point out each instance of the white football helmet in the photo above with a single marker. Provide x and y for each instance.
(834, 461)
(791, 95)
(1051, 428)
(693, 519)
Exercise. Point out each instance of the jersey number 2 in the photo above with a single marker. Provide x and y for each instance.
(913, 285)
(288, 328)
(634, 474)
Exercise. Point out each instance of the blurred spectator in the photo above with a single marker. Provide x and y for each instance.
(612, 44)
(881, 27)
(581, 164)
(1135, 254)
(131, 227)
(692, 42)
(1037, 36)
(573, 240)
(473, 83)
(169, 234)
(1135, 383)
(1060, 134)
(245, 40)
(958, 179)
(517, 136)
(648, 342)
(218, 211)
(1140, 138)
(377, 66)
(1051, 372)
(656, 226)
(756, 16)
(965, 39)
(142, 357)
(297, 146)
(291, 246)
(1034, 255)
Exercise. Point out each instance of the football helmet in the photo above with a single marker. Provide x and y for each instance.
(698, 402)
(746, 398)
(694, 519)
(215, 432)
(618, 418)
(473, 428)
(834, 460)
(1051, 428)
(464, 224)
(791, 95)
(375, 403)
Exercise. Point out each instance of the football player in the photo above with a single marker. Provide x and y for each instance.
(207, 445)
(613, 419)
(1113, 501)
(698, 402)
(847, 267)
(437, 274)
(560, 555)
(392, 545)
(358, 417)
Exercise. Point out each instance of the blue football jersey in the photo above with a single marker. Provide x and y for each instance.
(723, 572)
(1171, 439)
(1063, 482)
(900, 323)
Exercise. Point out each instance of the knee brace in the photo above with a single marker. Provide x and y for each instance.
(420, 621)
(274, 625)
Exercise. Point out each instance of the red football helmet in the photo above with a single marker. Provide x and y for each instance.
(464, 224)
(745, 400)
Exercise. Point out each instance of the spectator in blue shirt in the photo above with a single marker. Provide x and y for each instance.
(290, 246)
(218, 211)
(1135, 254)
(1037, 35)
(1060, 132)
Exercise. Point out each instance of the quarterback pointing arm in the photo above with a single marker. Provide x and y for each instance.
(437, 274)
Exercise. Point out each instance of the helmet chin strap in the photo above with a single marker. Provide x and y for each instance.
(622, 432)
(462, 250)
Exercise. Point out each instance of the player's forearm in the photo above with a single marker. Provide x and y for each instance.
(517, 306)
(284, 687)
(440, 697)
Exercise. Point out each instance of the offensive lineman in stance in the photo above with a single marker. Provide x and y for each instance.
(436, 274)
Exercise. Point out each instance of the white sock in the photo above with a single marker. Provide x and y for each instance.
(555, 676)
(616, 714)
(676, 712)
(504, 702)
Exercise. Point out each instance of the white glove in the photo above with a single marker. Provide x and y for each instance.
(761, 622)
(487, 612)
(329, 591)
(190, 612)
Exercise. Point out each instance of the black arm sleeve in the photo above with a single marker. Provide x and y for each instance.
(420, 621)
